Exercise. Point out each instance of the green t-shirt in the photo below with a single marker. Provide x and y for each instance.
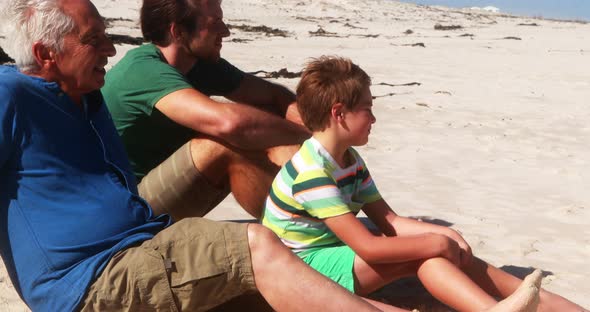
(137, 82)
(312, 187)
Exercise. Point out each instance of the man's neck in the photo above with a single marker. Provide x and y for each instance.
(75, 97)
(178, 58)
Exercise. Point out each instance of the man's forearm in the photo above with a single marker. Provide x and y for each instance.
(261, 130)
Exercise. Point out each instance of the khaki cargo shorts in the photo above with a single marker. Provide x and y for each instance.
(176, 187)
(193, 265)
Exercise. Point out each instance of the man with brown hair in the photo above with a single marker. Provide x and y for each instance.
(75, 235)
(187, 149)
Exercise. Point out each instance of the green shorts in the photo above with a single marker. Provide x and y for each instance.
(336, 263)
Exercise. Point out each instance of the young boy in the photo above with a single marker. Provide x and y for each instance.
(315, 197)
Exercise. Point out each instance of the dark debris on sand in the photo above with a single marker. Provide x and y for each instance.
(108, 21)
(528, 24)
(4, 58)
(417, 44)
(447, 27)
(398, 85)
(367, 36)
(512, 38)
(353, 27)
(394, 85)
(269, 32)
(124, 39)
(383, 95)
(281, 73)
(323, 33)
(240, 40)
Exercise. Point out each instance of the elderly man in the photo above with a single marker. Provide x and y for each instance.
(75, 235)
(188, 149)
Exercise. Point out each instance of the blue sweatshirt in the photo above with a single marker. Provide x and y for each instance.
(68, 199)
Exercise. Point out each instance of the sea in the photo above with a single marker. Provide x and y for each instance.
(554, 9)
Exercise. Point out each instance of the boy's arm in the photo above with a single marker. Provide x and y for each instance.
(391, 249)
(390, 224)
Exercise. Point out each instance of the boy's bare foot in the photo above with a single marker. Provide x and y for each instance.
(525, 298)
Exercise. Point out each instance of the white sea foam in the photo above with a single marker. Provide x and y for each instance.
(487, 8)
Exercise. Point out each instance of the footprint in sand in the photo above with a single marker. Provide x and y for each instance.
(573, 214)
(528, 248)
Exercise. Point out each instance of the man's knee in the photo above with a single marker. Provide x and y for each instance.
(260, 238)
(205, 147)
(211, 159)
(280, 155)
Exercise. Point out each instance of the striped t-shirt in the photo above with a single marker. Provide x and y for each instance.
(312, 187)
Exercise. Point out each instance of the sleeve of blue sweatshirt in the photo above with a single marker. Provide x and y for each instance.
(7, 116)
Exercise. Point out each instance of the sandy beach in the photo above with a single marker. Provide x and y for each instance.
(482, 120)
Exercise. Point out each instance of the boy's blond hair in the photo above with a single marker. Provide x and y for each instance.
(325, 81)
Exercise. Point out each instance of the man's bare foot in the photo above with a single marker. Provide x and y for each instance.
(525, 298)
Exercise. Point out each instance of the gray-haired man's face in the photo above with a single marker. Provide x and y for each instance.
(80, 66)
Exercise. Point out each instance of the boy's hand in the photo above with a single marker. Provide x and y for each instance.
(450, 250)
(466, 255)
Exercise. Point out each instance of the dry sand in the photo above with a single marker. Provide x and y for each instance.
(491, 134)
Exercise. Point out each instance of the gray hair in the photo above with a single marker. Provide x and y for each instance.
(28, 21)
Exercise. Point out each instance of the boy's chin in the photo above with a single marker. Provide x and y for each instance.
(361, 142)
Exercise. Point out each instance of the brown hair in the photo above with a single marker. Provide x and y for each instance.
(325, 81)
(156, 16)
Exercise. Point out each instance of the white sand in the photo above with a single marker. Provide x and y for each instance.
(495, 140)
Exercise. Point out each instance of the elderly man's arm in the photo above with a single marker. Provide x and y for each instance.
(6, 127)
(240, 125)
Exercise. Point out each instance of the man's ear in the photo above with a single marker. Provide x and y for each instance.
(337, 111)
(44, 57)
(175, 33)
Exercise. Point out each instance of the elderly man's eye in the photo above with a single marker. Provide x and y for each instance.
(90, 40)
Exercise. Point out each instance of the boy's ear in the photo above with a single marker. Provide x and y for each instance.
(44, 57)
(337, 111)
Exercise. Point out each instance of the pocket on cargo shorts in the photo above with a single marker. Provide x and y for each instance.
(201, 262)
